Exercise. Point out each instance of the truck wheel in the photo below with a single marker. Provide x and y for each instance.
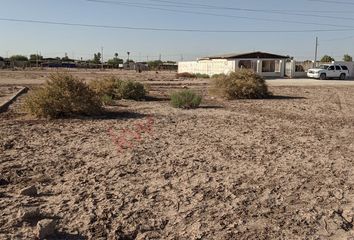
(342, 76)
(323, 76)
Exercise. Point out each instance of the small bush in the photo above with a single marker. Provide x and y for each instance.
(186, 75)
(107, 100)
(199, 75)
(132, 90)
(243, 84)
(62, 95)
(185, 99)
(218, 75)
(112, 88)
(107, 89)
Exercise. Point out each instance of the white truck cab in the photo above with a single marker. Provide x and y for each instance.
(326, 71)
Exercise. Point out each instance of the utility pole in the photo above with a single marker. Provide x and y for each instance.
(37, 59)
(102, 58)
(316, 51)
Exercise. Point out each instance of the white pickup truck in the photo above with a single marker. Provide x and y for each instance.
(329, 71)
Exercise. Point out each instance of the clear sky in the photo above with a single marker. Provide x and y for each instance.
(229, 15)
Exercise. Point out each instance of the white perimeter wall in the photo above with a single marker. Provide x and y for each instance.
(219, 66)
(210, 67)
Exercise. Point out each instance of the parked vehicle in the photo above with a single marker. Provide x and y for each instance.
(329, 71)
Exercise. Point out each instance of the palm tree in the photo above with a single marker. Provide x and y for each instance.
(116, 55)
(128, 55)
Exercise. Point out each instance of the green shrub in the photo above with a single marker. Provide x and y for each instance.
(107, 100)
(107, 89)
(132, 90)
(218, 75)
(112, 88)
(243, 84)
(199, 75)
(185, 99)
(185, 75)
(62, 95)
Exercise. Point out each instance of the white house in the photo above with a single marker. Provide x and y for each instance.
(265, 64)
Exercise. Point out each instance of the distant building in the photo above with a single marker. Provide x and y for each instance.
(265, 64)
(137, 66)
(2, 62)
(58, 63)
(129, 65)
(171, 66)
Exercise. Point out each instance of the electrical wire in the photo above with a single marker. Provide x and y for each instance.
(169, 29)
(273, 11)
(218, 15)
(334, 2)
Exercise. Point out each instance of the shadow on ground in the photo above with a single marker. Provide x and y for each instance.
(67, 236)
(107, 115)
(280, 97)
(156, 99)
(111, 115)
(211, 107)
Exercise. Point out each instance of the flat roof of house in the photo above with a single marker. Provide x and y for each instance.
(263, 55)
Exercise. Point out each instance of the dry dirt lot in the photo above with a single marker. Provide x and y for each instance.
(280, 168)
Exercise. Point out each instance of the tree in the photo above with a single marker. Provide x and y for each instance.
(1, 59)
(115, 61)
(327, 59)
(97, 58)
(128, 56)
(347, 58)
(35, 57)
(19, 58)
(154, 65)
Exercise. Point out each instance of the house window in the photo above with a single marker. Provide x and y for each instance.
(247, 64)
(271, 66)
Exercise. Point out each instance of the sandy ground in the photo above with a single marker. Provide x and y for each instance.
(279, 168)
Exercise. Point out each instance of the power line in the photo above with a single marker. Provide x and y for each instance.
(334, 2)
(282, 12)
(338, 39)
(170, 29)
(217, 15)
(213, 7)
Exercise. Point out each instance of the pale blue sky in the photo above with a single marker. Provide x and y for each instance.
(55, 40)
